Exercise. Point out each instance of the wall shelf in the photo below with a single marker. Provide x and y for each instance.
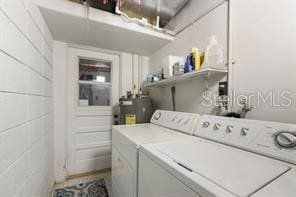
(187, 76)
(69, 23)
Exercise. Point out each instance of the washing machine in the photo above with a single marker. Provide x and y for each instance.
(228, 157)
(126, 139)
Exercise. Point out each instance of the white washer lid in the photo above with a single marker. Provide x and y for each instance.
(239, 172)
(148, 133)
(283, 186)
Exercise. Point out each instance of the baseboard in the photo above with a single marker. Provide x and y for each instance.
(74, 176)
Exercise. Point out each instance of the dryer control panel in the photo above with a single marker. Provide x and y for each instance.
(180, 121)
(277, 140)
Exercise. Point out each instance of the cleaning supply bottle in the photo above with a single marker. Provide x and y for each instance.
(214, 56)
(196, 58)
(188, 67)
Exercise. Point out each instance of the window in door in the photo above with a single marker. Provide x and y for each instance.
(94, 83)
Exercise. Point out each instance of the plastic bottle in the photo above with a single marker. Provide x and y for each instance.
(214, 56)
(196, 58)
(188, 67)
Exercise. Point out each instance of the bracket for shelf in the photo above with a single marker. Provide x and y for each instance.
(206, 77)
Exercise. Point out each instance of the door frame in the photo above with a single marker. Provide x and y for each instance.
(72, 75)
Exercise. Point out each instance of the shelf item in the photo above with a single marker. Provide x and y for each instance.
(187, 76)
(69, 23)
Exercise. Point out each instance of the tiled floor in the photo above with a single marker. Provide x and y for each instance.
(75, 181)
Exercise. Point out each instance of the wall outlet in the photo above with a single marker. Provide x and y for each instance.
(223, 88)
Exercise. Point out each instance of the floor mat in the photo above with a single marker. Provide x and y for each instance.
(95, 188)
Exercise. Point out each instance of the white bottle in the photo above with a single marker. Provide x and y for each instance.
(214, 56)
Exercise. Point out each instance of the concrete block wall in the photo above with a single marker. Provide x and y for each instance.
(26, 122)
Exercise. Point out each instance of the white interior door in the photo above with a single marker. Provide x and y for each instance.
(93, 87)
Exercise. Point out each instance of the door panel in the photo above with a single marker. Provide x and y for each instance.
(104, 151)
(80, 166)
(93, 137)
(93, 129)
(91, 121)
(93, 87)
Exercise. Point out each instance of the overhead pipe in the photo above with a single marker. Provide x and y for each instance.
(156, 28)
(230, 61)
(86, 3)
(141, 22)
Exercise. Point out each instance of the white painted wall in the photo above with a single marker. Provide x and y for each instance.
(133, 70)
(195, 9)
(26, 128)
(188, 94)
(264, 48)
(60, 59)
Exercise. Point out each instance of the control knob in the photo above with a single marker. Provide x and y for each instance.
(217, 126)
(157, 115)
(205, 124)
(244, 131)
(285, 139)
(229, 129)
